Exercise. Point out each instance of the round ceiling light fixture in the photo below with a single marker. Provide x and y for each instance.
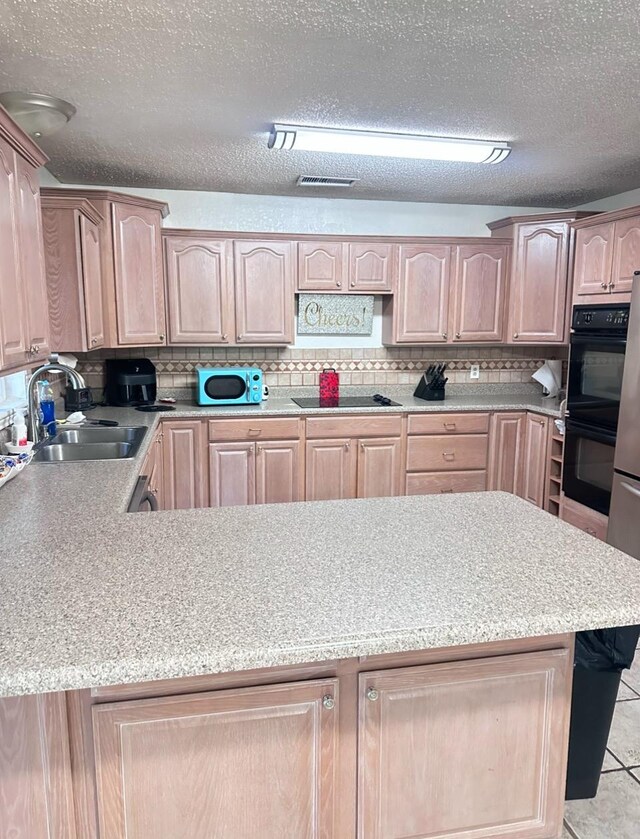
(37, 113)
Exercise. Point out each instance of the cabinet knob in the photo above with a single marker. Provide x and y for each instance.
(161, 337)
(603, 285)
(347, 446)
(362, 445)
(353, 284)
(611, 284)
(636, 273)
(239, 338)
(444, 334)
(515, 334)
(372, 694)
(328, 702)
(225, 337)
(338, 285)
(457, 334)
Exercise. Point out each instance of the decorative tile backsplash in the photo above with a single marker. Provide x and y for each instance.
(291, 367)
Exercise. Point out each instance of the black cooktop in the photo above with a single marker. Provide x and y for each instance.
(376, 401)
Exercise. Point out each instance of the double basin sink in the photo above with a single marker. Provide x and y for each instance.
(95, 443)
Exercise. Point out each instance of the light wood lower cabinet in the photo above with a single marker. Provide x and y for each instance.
(534, 461)
(506, 448)
(153, 468)
(464, 749)
(254, 473)
(184, 465)
(353, 468)
(584, 518)
(232, 764)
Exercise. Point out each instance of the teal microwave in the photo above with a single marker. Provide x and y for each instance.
(229, 385)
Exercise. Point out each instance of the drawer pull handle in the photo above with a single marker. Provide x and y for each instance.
(372, 694)
(328, 702)
(447, 490)
(255, 432)
(449, 455)
(450, 426)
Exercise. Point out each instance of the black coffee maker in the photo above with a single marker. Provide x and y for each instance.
(129, 382)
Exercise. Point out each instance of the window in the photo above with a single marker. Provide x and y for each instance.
(13, 396)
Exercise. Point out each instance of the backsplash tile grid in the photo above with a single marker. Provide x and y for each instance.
(292, 367)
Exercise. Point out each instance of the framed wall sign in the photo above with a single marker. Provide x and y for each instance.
(335, 314)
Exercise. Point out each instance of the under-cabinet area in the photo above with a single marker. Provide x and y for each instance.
(240, 461)
(360, 747)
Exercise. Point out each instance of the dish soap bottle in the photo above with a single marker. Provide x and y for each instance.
(19, 431)
(47, 411)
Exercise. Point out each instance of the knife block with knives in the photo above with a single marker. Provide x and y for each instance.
(431, 385)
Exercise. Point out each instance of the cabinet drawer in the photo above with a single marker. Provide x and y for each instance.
(591, 521)
(363, 425)
(448, 423)
(427, 483)
(276, 428)
(453, 452)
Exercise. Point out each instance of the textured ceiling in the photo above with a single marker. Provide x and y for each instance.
(181, 94)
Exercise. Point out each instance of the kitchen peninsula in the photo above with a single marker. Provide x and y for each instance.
(269, 670)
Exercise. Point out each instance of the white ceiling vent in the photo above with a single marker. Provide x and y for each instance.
(319, 180)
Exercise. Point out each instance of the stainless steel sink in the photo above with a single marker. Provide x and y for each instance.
(101, 443)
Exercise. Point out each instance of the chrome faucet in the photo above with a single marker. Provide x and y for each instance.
(76, 380)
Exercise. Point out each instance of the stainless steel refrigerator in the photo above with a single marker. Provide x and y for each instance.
(624, 516)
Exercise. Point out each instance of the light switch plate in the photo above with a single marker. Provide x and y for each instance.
(474, 372)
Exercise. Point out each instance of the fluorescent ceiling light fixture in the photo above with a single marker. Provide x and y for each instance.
(379, 144)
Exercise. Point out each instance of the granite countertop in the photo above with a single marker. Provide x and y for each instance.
(110, 598)
(92, 595)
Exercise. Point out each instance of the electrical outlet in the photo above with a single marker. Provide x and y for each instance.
(474, 372)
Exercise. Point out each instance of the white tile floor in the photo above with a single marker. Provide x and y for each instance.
(615, 812)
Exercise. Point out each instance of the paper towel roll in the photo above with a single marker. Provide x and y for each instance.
(550, 376)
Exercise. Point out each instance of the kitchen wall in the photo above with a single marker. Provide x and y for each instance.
(292, 366)
(614, 202)
(283, 214)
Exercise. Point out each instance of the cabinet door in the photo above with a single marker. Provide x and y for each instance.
(379, 467)
(593, 260)
(153, 468)
(626, 254)
(199, 290)
(506, 451)
(534, 466)
(320, 266)
(466, 749)
(421, 300)
(13, 346)
(232, 474)
(538, 299)
(331, 469)
(92, 281)
(479, 293)
(137, 255)
(32, 268)
(184, 464)
(264, 279)
(372, 267)
(232, 764)
(278, 472)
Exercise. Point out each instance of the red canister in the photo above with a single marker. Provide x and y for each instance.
(329, 388)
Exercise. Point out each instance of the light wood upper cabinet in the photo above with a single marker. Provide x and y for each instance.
(13, 338)
(534, 461)
(230, 764)
(321, 266)
(503, 773)
(199, 277)
(331, 469)
(626, 254)
(184, 464)
(72, 251)
(278, 472)
(418, 313)
(139, 281)
(506, 451)
(31, 252)
(593, 260)
(539, 293)
(479, 293)
(372, 267)
(379, 467)
(264, 291)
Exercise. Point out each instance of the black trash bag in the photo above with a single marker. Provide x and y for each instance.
(607, 650)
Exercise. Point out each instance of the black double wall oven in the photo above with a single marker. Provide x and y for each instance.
(596, 364)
